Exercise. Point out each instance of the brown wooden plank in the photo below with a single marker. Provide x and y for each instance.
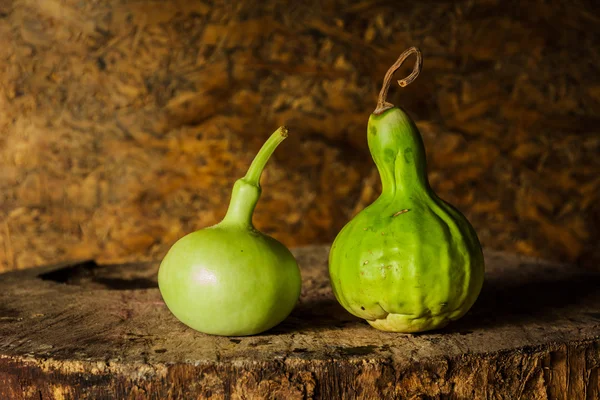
(87, 331)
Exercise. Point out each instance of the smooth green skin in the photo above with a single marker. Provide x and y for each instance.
(415, 271)
(230, 279)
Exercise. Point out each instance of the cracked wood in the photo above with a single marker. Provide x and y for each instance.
(82, 330)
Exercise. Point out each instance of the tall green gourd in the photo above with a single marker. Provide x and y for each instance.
(409, 262)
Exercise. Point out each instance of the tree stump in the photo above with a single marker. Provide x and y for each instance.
(87, 331)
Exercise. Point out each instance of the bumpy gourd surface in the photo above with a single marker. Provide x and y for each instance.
(409, 262)
(229, 281)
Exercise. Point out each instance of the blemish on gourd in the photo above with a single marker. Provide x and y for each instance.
(408, 155)
(389, 155)
(373, 130)
(401, 212)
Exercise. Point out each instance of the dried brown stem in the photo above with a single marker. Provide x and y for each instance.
(382, 104)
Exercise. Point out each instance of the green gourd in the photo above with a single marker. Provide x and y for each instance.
(230, 279)
(409, 262)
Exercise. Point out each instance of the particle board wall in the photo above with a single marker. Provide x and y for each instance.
(124, 124)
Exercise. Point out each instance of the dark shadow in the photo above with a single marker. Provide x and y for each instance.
(529, 293)
(126, 284)
(321, 314)
(7, 313)
(71, 273)
(537, 295)
(93, 276)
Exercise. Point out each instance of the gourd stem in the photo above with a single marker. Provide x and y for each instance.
(265, 152)
(382, 104)
(246, 190)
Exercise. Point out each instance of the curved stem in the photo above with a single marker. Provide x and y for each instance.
(246, 190)
(258, 164)
(382, 104)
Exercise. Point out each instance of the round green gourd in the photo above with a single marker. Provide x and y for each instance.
(409, 262)
(230, 279)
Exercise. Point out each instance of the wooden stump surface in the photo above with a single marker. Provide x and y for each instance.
(83, 331)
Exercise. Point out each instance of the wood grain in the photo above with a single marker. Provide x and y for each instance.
(87, 331)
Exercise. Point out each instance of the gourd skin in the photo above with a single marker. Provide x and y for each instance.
(230, 279)
(245, 285)
(409, 262)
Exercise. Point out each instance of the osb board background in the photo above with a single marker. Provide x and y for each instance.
(125, 123)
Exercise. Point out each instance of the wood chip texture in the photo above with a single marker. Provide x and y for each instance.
(124, 124)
